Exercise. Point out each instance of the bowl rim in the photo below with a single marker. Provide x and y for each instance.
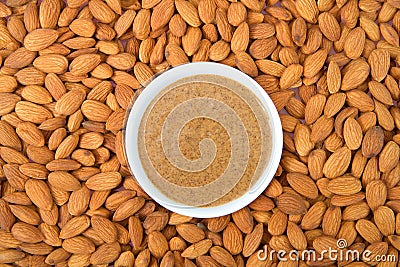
(152, 89)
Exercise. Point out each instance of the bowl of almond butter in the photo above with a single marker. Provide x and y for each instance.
(203, 139)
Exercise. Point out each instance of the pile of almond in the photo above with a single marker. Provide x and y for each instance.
(69, 71)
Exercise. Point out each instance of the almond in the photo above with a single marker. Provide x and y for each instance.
(207, 10)
(175, 55)
(303, 184)
(75, 227)
(337, 163)
(63, 181)
(197, 249)
(158, 244)
(84, 64)
(368, 231)
(355, 75)
(345, 185)
(329, 26)
(39, 193)
(162, 13)
(104, 228)
(308, 10)
(240, 38)
(291, 76)
(222, 256)
(30, 134)
(78, 245)
(188, 12)
(232, 239)
(106, 253)
(122, 61)
(190, 232)
(39, 39)
(95, 110)
(352, 133)
(83, 27)
(313, 218)
(379, 61)
(20, 58)
(252, 240)
(354, 43)
(246, 64)
(385, 220)
(101, 11)
(291, 204)
(389, 157)
(313, 63)
(7, 219)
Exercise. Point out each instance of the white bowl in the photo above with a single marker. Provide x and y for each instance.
(139, 108)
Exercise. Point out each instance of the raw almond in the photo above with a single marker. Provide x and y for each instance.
(39, 193)
(313, 218)
(222, 256)
(291, 204)
(355, 75)
(106, 253)
(232, 239)
(95, 110)
(122, 61)
(83, 27)
(354, 43)
(188, 12)
(158, 244)
(329, 26)
(379, 61)
(197, 249)
(30, 134)
(75, 227)
(162, 14)
(63, 181)
(78, 245)
(308, 10)
(345, 185)
(352, 133)
(104, 228)
(303, 184)
(240, 38)
(20, 58)
(84, 64)
(101, 11)
(385, 220)
(39, 39)
(368, 231)
(190, 232)
(389, 157)
(291, 76)
(252, 240)
(128, 208)
(337, 163)
(373, 142)
(246, 64)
